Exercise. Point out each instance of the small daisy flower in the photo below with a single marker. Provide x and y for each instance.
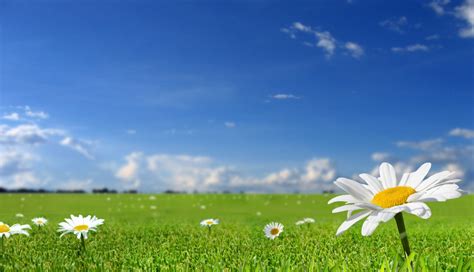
(300, 222)
(383, 198)
(273, 230)
(79, 225)
(6, 230)
(309, 220)
(209, 222)
(39, 221)
(19, 215)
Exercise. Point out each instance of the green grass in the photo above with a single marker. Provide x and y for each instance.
(137, 237)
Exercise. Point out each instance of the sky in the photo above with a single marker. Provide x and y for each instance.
(256, 96)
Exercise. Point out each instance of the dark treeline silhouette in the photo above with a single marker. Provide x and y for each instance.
(62, 191)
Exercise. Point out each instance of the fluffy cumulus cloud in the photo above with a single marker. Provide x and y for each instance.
(128, 173)
(444, 156)
(160, 172)
(354, 49)
(462, 132)
(20, 134)
(323, 40)
(466, 12)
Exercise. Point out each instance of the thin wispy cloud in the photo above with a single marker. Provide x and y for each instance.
(395, 24)
(80, 146)
(411, 48)
(323, 40)
(14, 116)
(229, 124)
(284, 96)
(439, 6)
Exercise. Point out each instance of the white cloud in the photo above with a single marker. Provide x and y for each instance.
(411, 48)
(188, 173)
(37, 114)
(283, 96)
(466, 13)
(381, 156)
(14, 116)
(395, 24)
(229, 124)
(129, 172)
(421, 145)
(462, 132)
(438, 6)
(16, 169)
(27, 134)
(77, 145)
(354, 49)
(324, 39)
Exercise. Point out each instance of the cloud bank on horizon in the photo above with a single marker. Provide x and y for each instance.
(285, 101)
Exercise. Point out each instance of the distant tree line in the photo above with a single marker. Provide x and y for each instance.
(63, 191)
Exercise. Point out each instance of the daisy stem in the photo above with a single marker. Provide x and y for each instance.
(83, 243)
(1, 243)
(403, 233)
(209, 230)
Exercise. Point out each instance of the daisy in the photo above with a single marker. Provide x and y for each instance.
(79, 225)
(209, 223)
(300, 222)
(39, 221)
(273, 230)
(19, 215)
(381, 199)
(309, 220)
(6, 230)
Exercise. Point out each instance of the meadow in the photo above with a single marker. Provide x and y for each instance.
(162, 232)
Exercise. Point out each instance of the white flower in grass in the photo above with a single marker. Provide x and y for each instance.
(19, 215)
(380, 199)
(6, 230)
(273, 230)
(209, 222)
(79, 225)
(300, 222)
(309, 220)
(39, 221)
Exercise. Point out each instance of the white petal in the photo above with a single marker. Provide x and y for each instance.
(404, 179)
(354, 188)
(343, 198)
(351, 221)
(417, 177)
(369, 227)
(346, 208)
(388, 175)
(432, 181)
(373, 182)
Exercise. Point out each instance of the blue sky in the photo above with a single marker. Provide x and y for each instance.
(267, 96)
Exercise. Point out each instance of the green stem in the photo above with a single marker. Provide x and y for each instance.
(83, 243)
(209, 230)
(1, 243)
(403, 233)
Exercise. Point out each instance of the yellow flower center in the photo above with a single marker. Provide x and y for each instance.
(81, 227)
(4, 228)
(39, 222)
(274, 231)
(210, 222)
(393, 196)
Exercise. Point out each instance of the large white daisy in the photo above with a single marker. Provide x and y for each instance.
(273, 230)
(7, 231)
(79, 225)
(380, 199)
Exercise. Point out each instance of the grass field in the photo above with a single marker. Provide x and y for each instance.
(162, 232)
